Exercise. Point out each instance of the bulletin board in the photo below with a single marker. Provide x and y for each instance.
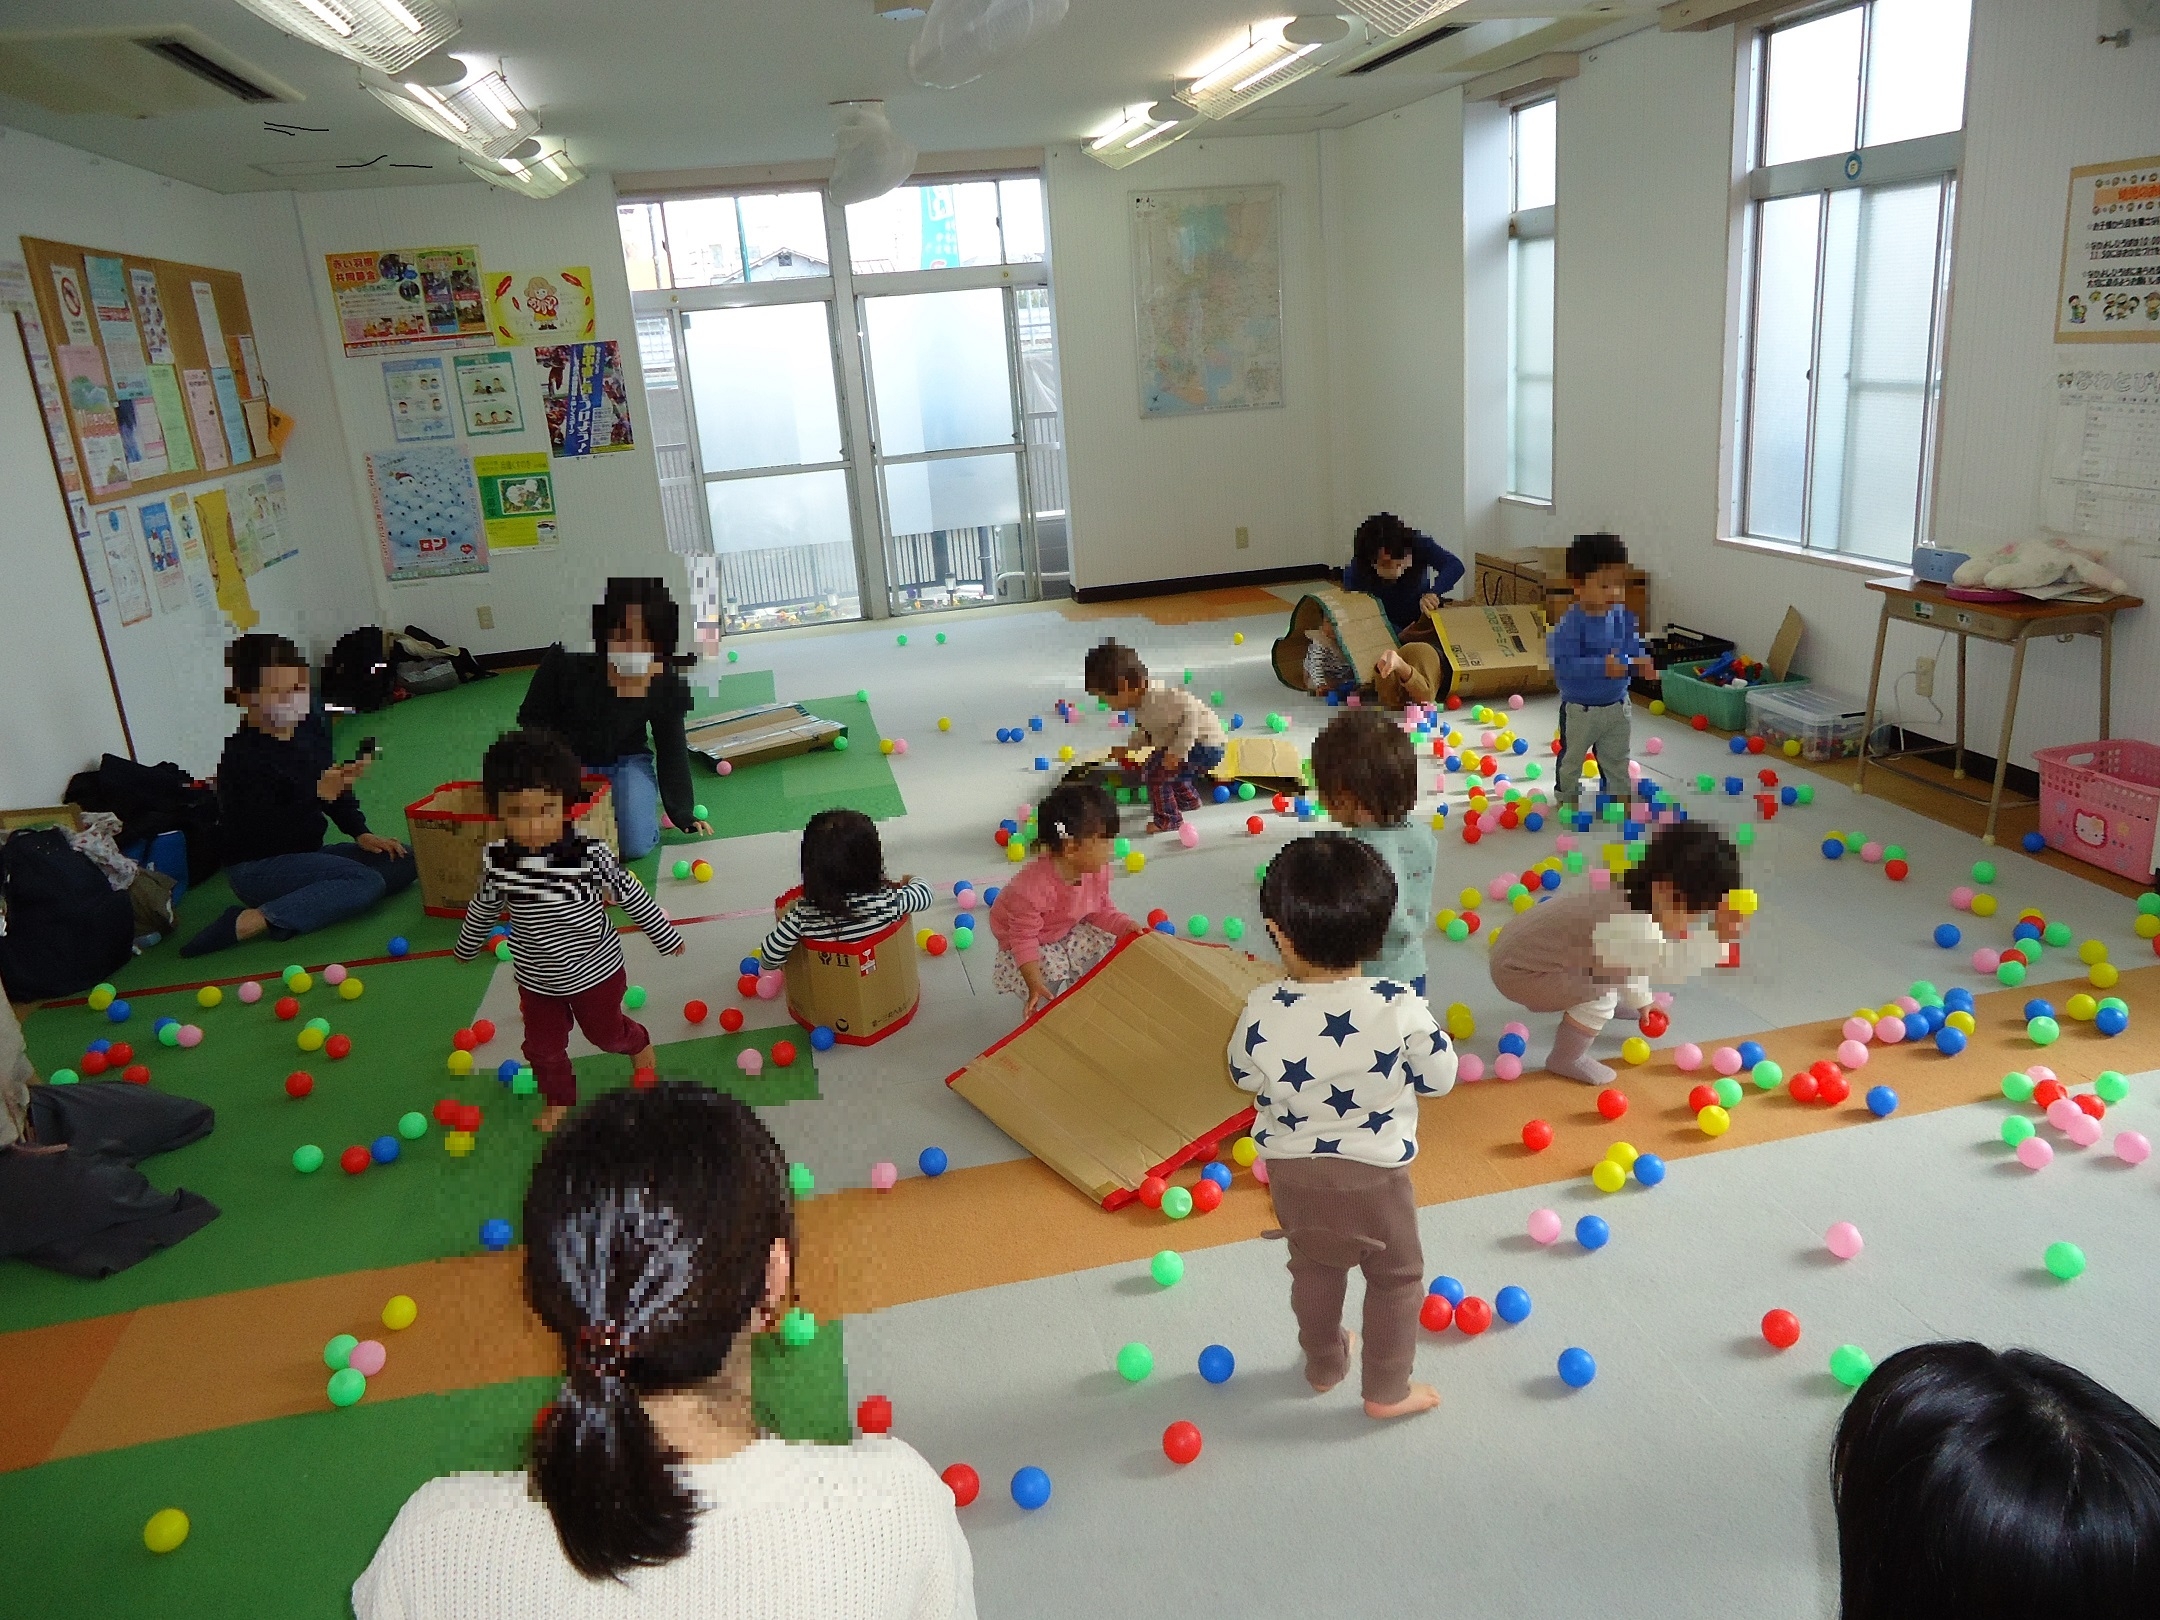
(222, 422)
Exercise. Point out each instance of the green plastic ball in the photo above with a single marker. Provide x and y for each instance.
(862, 694)
(339, 1351)
(1457, 930)
(1576, 861)
(681, 869)
(1766, 1075)
(1246, 790)
(1233, 928)
(699, 811)
(1807, 793)
(797, 1328)
(1616, 812)
(1728, 1091)
(2015, 1129)
(941, 638)
(412, 1126)
(1983, 871)
(2065, 1260)
(1743, 835)
(901, 639)
(1850, 1365)
(62, 1077)
(293, 970)
(1196, 925)
(733, 655)
(1135, 1362)
(322, 1024)
(347, 1385)
(2010, 973)
(634, 997)
(2017, 1087)
(1121, 848)
(1533, 772)
(801, 1182)
(1177, 1203)
(523, 1083)
(1893, 852)
(2042, 1031)
(1704, 782)
(963, 939)
(307, 1160)
(1855, 842)
(2057, 934)
(2111, 1087)
(2148, 905)
(502, 950)
(840, 743)
(1167, 1268)
(1921, 990)
(1276, 722)
(168, 1035)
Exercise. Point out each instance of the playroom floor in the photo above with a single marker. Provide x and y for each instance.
(989, 1304)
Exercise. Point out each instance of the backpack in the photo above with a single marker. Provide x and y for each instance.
(66, 928)
(154, 799)
(357, 676)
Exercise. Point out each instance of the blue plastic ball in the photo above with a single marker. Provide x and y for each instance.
(1514, 1045)
(2111, 1020)
(1217, 1173)
(932, 1161)
(1734, 786)
(1948, 1041)
(966, 920)
(1882, 1101)
(990, 895)
(961, 887)
(1511, 1304)
(1592, 1232)
(1577, 1366)
(1915, 1027)
(101, 1044)
(1166, 926)
(1448, 1289)
(1833, 849)
(1737, 745)
(1031, 1488)
(751, 966)
(1535, 822)
(2039, 1007)
(1957, 999)
(384, 1150)
(1217, 1364)
(118, 1012)
(1034, 722)
(160, 1024)
(1548, 879)
(821, 1039)
(1454, 762)
(1221, 795)
(1934, 1017)
(1947, 935)
(1522, 745)
(1007, 825)
(1788, 795)
(1237, 722)
(507, 1070)
(495, 1233)
(1751, 1053)
(1041, 764)
(2034, 842)
(400, 945)
(2024, 931)
(1649, 1169)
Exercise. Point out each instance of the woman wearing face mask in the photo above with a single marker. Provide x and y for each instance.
(605, 702)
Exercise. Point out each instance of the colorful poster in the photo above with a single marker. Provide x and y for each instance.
(231, 414)
(544, 306)
(232, 588)
(116, 327)
(2110, 286)
(487, 393)
(250, 365)
(46, 380)
(194, 555)
(396, 296)
(517, 500)
(116, 538)
(255, 506)
(419, 400)
(172, 418)
(141, 435)
(164, 552)
(150, 310)
(74, 308)
(203, 412)
(16, 296)
(82, 381)
(588, 408)
(427, 512)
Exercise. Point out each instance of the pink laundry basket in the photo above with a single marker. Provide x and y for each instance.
(2100, 801)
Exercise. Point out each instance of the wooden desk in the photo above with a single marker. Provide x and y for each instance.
(1930, 607)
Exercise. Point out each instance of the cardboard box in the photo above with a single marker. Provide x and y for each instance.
(860, 989)
(1127, 1074)
(769, 731)
(451, 826)
(1537, 575)
(1361, 630)
(1494, 650)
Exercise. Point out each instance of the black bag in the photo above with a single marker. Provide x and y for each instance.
(154, 799)
(67, 928)
(468, 667)
(357, 675)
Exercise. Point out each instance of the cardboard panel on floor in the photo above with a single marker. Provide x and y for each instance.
(1361, 630)
(1273, 763)
(769, 731)
(1127, 1074)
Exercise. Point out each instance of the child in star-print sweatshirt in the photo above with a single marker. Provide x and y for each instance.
(1338, 1063)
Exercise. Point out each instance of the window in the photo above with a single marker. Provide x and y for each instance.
(1852, 191)
(1533, 150)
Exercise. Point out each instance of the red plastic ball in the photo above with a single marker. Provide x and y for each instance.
(1281, 802)
(2015, 955)
(1454, 702)
(2089, 1104)
(694, 1012)
(1537, 1136)
(465, 1040)
(1003, 837)
(1487, 766)
(1151, 1190)
(1158, 915)
(1700, 1098)
(746, 986)
(120, 1054)
(1471, 920)
(1436, 1314)
(1181, 1442)
(964, 1483)
(874, 1415)
(93, 1063)
(468, 1117)
(1766, 778)
(337, 1046)
(2049, 1092)
(1473, 1316)
(354, 1160)
(1612, 1102)
(643, 1079)
(483, 1029)
(1655, 1022)
(1509, 819)
(1253, 824)
(1895, 871)
(1470, 833)
(937, 945)
(287, 1007)
(299, 1083)
(446, 1112)
(136, 1074)
(1206, 1195)
(1804, 1087)
(783, 1053)
(1781, 1328)
(1701, 722)
(731, 1019)
(1832, 1091)
(1824, 1069)
(1558, 747)
(1756, 745)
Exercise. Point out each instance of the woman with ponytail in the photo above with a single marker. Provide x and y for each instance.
(660, 1237)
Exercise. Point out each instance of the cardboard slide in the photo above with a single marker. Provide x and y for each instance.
(1361, 630)
(1270, 763)
(1127, 1074)
(770, 731)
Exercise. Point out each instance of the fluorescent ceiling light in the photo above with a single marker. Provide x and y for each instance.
(483, 114)
(1140, 132)
(535, 171)
(386, 35)
(1391, 18)
(1270, 56)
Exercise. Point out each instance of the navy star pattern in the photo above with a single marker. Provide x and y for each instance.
(1379, 1120)
(1387, 989)
(1287, 996)
(1295, 1072)
(1291, 1122)
(1254, 1040)
(1383, 1063)
(1327, 1144)
(1343, 1102)
(1338, 1028)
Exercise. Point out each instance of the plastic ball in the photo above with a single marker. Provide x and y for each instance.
(2043, 1031)
(2111, 1020)
(307, 1159)
(1612, 1103)
(1713, 1121)
(1135, 1362)
(1512, 1304)
(165, 1530)
(1167, 1268)
(412, 1126)
(1635, 1050)
(1592, 1232)
(2064, 1260)
(2034, 1153)
(1607, 1176)
(2132, 1148)
(347, 1385)
(1577, 1367)
(1030, 1488)
(1687, 1058)
(1448, 1289)
(1850, 1365)
(1181, 1443)
(1473, 1316)
(1544, 1226)
(1177, 1202)
(2010, 974)
(783, 1053)
(1537, 1136)
(1983, 905)
(1217, 1364)
(495, 1233)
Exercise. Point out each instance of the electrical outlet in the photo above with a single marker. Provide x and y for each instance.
(1924, 677)
(1244, 537)
(487, 618)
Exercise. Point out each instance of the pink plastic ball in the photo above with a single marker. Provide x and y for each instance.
(1857, 1029)
(1485, 738)
(1497, 889)
(367, 1357)
(1600, 879)
(1726, 1060)
(1355, 701)
(1563, 843)
(191, 1034)
(1507, 1066)
(1514, 700)
(1189, 836)
(1853, 1054)
(1516, 1027)
(1843, 1240)
(251, 992)
(2062, 1113)
(1664, 998)
(751, 1061)
(965, 900)
(1687, 1058)
(2084, 1130)
(899, 745)
(1469, 1067)
(1260, 1171)
(1489, 821)
(1906, 1004)
(1656, 745)
(2132, 1148)
(334, 973)
(1871, 851)
(1961, 898)
(1890, 1031)
(1544, 1226)
(1985, 960)
(2038, 1072)
(2034, 1153)
(726, 767)
(769, 985)
(1634, 771)
(883, 1175)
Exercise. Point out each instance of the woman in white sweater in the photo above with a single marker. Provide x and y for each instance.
(660, 1236)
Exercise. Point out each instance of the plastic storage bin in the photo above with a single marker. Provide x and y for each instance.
(2100, 801)
(1826, 724)
(1677, 645)
(1726, 706)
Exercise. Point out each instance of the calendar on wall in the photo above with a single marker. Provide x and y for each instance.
(2102, 473)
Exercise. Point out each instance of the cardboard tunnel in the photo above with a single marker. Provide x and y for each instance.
(860, 989)
(1127, 1074)
(1361, 630)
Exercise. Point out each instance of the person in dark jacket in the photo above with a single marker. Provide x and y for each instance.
(1410, 573)
(278, 788)
(605, 703)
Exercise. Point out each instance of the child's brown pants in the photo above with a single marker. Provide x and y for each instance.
(1338, 1214)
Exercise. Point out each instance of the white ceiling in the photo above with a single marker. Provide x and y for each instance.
(650, 85)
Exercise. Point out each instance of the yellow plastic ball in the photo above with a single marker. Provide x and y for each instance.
(922, 938)
(944, 722)
(1443, 918)
(2081, 1007)
(1590, 767)
(209, 996)
(460, 1062)
(2092, 951)
(1635, 1050)
(168, 1527)
(1984, 905)
(1016, 852)
(1522, 902)
(1962, 1022)
(1713, 1121)
(1607, 1176)
(1623, 1154)
(1657, 705)
(1792, 747)
(2147, 926)
(1469, 899)
(457, 1143)
(1461, 1021)
(701, 870)
(310, 1040)
(884, 745)
(1243, 1152)
(2103, 975)
(398, 1315)
(352, 989)
(1133, 862)
(1237, 638)
(100, 998)
(1066, 753)
(300, 983)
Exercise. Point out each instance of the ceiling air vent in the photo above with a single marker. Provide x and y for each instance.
(131, 72)
(1401, 52)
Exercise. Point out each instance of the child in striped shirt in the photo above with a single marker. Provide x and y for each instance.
(556, 885)
(845, 893)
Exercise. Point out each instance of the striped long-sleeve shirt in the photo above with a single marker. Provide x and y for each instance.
(561, 939)
(871, 913)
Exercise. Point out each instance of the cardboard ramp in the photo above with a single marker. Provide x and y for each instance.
(1361, 630)
(1127, 1074)
(769, 731)
(1272, 763)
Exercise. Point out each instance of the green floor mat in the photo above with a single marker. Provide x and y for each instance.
(277, 1224)
(283, 1516)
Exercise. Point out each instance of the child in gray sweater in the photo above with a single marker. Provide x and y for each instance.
(1365, 772)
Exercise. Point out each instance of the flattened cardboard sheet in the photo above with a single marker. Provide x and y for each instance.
(769, 731)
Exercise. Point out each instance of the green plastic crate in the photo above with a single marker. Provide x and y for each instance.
(1726, 706)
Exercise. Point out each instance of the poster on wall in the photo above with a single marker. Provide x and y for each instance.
(203, 412)
(74, 308)
(116, 327)
(231, 585)
(394, 296)
(150, 309)
(255, 506)
(2110, 286)
(116, 538)
(194, 555)
(487, 393)
(588, 408)
(171, 410)
(543, 306)
(427, 512)
(419, 400)
(232, 414)
(82, 382)
(1207, 274)
(517, 501)
(163, 548)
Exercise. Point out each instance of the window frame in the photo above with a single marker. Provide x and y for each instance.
(1531, 224)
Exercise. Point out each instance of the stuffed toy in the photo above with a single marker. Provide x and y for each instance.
(2023, 565)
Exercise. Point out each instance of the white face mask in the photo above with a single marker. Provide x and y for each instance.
(285, 711)
(630, 663)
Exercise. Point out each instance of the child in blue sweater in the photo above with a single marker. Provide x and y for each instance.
(1592, 649)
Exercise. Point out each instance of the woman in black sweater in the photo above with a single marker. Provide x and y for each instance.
(603, 703)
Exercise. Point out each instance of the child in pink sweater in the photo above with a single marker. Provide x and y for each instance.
(1055, 921)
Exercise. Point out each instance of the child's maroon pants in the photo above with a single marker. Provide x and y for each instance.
(597, 1011)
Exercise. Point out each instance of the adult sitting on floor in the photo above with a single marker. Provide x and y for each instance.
(1408, 571)
(603, 703)
(659, 1234)
(278, 786)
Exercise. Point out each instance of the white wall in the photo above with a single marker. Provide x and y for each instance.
(1162, 499)
(56, 708)
(608, 506)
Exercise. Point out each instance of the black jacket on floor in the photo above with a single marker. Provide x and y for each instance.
(86, 1210)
